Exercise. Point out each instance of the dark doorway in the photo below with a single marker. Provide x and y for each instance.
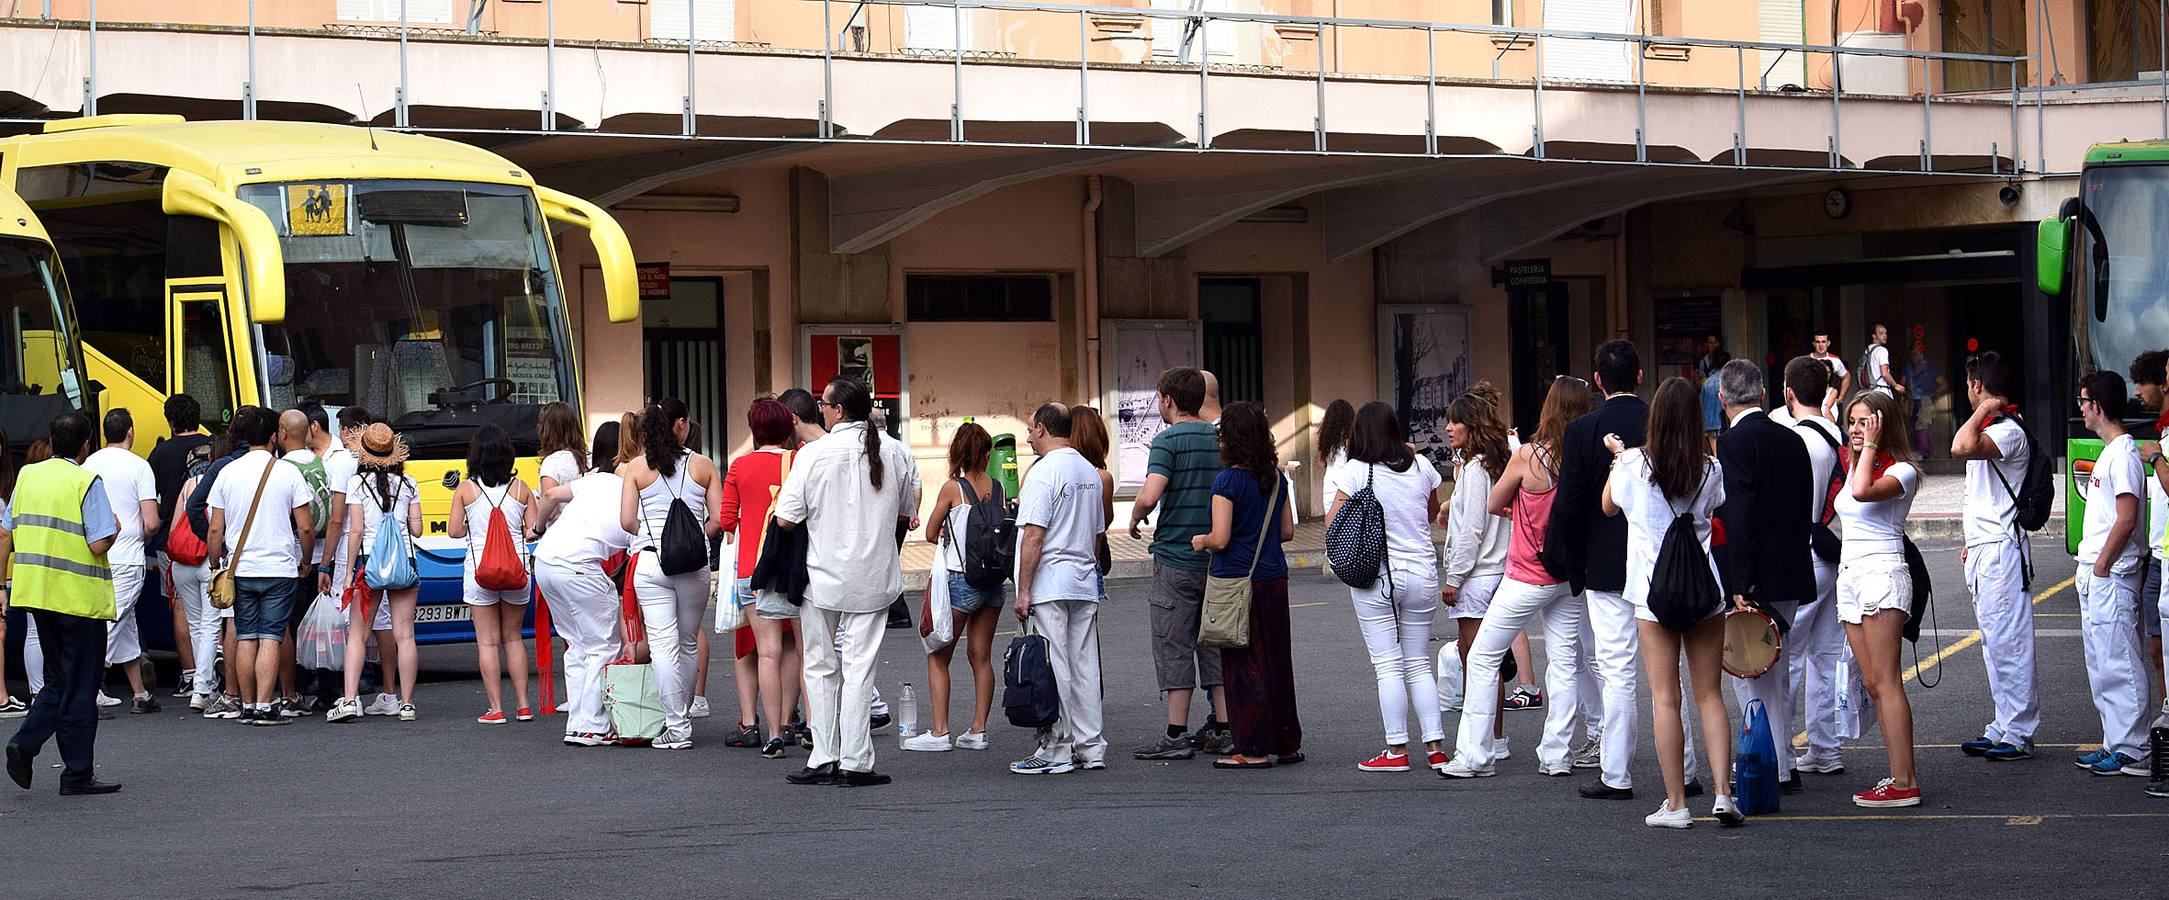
(1537, 325)
(1234, 337)
(684, 352)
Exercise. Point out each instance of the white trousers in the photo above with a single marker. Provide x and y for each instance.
(839, 684)
(1396, 626)
(671, 607)
(1511, 609)
(1618, 655)
(191, 587)
(1814, 650)
(1996, 575)
(1590, 690)
(587, 613)
(123, 640)
(1072, 629)
(2109, 619)
(1775, 691)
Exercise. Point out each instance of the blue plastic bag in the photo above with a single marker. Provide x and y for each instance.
(390, 566)
(1754, 764)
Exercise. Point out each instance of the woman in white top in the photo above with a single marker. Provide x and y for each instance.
(977, 611)
(1333, 435)
(670, 605)
(492, 486)
(569, 569)
(1875, 589)
(1396, 611)
(1474, 558)
(380, 496)
(1671, 475)
(564, 454)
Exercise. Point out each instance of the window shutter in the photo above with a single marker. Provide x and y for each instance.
(1781, 22)
(714, 20)
(1572, 60)
(934, 27)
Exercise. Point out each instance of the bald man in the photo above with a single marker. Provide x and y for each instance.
(296, 442)
(1210, 412)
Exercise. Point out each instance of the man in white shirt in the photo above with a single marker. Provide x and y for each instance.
(2149, 371)
(1995, 556)
(847, 489)
(1815, 647)
(267, 568)
(2108, 582)
(1842, 378)
(1059, 516)
(296, 441)
(133, 492)
(1875, 374)
(339, 469)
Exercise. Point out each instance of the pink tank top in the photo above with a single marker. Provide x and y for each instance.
(1532, 510)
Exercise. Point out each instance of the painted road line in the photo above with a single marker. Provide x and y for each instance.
(1955, 817)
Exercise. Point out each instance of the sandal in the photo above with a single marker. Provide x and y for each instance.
(1290, 759)
(1237, 762)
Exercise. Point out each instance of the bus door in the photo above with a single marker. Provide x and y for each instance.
(199, 361)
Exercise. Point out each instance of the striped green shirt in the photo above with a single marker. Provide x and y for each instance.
(1188, 456)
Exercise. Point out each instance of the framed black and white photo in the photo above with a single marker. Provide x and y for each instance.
(1423, 364)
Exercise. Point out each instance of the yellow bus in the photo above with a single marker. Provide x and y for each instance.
(272, 263)
(41, 372)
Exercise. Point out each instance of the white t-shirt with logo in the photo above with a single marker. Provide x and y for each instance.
(1991, 513)
(1877, 528)
(1062, 495)
(273, 550)
(128, 482)
(2115, 474)
(1405, 499)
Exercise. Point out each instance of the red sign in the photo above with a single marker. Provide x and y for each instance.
(876, 359)
(654, 281)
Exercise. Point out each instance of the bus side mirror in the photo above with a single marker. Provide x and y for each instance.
(621, 280)
(263, 262)
(2052, 242)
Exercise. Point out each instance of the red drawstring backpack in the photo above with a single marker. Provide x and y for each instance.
(183, 545)
(499, 568)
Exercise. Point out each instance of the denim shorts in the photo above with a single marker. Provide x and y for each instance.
(966, 599)
(742, 591)
(262, 607)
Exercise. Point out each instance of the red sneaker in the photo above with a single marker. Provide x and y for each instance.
(493, 717)
(1387, 761)
(524, 714)
(1887, 793)
(1439, 759)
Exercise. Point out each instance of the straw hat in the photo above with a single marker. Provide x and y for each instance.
(377, 446)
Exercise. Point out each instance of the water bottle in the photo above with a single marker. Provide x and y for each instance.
(907, 714)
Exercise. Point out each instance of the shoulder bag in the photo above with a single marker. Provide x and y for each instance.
(1225, 620)
(223, 585)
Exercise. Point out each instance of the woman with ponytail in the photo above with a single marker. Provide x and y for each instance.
(663, 474)
(849, 490)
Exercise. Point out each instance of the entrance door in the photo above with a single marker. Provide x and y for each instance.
(1234, 337)
(684, 351)
(1537, 324)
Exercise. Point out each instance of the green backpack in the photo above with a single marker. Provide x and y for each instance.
(319, 489)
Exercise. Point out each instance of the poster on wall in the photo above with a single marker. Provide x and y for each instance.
(1423, 364)
(871, 354)
(1682, 322)
(1135, 353)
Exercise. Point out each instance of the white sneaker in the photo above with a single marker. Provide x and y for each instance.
(1459, 768)
(1590, 756)
(1831, 766)
(1499, 749)
(929, 742)
(1559, 771)
(383, 705)
(972, 740)
(1667, 817)
(104, 700)
(196, 702)
(346, 708)
(407, 712)
(1727, 812)
(699, 709)
(682, 740)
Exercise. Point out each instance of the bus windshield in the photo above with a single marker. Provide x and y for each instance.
(2120, 292)
(40, 375)
(432, 304)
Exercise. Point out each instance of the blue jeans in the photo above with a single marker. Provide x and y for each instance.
(261, 608)
(966, 599)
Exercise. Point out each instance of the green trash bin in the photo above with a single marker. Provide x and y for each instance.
(1003, 464)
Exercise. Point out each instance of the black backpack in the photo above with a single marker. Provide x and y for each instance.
(1923, 592)
(1682, 589)
(2036, 494)
(990, 538)
(683, 546)
(1355, 541)
(1821, 539)
(1029, 696)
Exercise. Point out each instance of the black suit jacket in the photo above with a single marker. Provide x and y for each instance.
(1769, 496)
(1590, 546)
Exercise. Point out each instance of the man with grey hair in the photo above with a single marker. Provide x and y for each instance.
(1767, 560)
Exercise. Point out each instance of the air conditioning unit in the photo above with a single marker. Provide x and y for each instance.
(1887, 75)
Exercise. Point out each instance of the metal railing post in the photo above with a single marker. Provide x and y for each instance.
(1927, 121)
(399, 94)
(2161, 33)
(1641, 102)
(827, 128)
(1204, 88)
(90, 80)
(1739, 127)
(1084, 78)
(1317, 121)
(1430, 89)
(549, 65)
(248, 88)
(692, 87)
(2018, 153)
(1837, 111)
(956, 87)
(1539, 82)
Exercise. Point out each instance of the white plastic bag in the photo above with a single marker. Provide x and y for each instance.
(729, 616)
(937, 622)
(321, 641)
(1856, 710)
(1448, 670)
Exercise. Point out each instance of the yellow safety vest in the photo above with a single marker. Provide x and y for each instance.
(54, 568)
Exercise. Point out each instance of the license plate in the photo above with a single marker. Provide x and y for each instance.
(443, 612)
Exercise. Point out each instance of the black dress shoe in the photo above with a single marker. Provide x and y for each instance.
(19, 766)
(1791, 785)
(1694, 789)
(1598, 790)
(93, 786)
(824, 773)
(861, 779)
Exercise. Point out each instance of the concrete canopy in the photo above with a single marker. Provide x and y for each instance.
(869, 206)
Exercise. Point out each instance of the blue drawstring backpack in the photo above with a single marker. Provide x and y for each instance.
(1754, 764)
(390, 566)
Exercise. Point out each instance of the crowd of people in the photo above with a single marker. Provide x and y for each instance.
(1798, 508)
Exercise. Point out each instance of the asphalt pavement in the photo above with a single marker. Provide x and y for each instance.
(446, 807)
